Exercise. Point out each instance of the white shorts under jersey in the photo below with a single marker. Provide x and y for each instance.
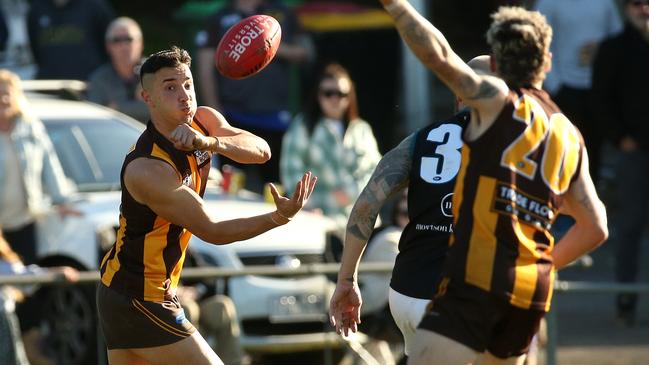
(407, 313)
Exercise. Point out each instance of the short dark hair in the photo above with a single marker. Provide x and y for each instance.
(172, 57)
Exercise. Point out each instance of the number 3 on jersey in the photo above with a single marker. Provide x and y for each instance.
(561, 153)
(444, 164)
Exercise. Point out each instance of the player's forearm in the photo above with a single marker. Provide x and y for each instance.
(352, 253)
(426, 42)
(588, 232)
(243, 148)
(224, 232)
(579, 240)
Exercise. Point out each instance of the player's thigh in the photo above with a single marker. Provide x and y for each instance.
(431, 348)
(125, 357)
(407, 313)
(487, 358)
(191, 350)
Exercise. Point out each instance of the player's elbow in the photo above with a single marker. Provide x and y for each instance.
(597, 232)
(600, 234)
(265, 153)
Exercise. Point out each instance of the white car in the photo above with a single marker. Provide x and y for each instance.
(275, 313)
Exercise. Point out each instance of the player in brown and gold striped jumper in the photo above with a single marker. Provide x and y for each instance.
(523, 162)
(163, 179)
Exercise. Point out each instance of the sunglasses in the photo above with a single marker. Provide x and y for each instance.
(328, 93)
(639, 3)
(124, 39)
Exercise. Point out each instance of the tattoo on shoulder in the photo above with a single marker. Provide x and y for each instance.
(486, 90)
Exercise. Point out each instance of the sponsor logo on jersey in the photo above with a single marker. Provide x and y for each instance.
(534, 211)
(201, 156)
(447, 205)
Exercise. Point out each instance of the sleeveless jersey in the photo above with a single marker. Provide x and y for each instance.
(147, 258)
(508, 194)
(424, 241)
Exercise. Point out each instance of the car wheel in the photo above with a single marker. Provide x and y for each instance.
(70, 324)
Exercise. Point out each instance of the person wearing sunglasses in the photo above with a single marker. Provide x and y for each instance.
(116, 84)
(331, 140)
(620, 94)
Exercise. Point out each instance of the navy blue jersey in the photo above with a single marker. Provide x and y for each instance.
(424, 242)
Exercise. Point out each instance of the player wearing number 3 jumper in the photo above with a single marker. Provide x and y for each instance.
(163, 180)
(523, 162)
(427, 163)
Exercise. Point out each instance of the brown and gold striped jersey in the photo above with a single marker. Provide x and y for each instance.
(146, 260)
(507, 196)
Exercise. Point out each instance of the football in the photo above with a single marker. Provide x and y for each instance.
(248, 46)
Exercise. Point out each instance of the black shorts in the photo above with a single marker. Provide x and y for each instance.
(130, 323)
(482, 321)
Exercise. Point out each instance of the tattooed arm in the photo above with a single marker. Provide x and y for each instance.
(590, 228)
(390, 177)
(483, 92)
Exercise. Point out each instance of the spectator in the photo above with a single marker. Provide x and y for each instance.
(259, 104)
(620, 94)
(116, 84)
(31, 175)
(67, 37)
(219, 325)
(331, 140)
(579, 27)
(12, 350)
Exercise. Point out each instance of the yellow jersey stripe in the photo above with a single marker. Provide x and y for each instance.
(526, 267)
(154, 242)
(114, 263)
(482, 246)
(458, 192)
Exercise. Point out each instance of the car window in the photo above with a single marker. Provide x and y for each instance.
(92, 150)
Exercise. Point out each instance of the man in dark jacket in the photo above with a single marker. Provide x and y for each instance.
(67, 37)
(620, 94)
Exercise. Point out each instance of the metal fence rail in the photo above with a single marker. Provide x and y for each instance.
(561, 287)
(582, 287)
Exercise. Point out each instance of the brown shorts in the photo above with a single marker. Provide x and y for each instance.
(482, 321)
(131, 323)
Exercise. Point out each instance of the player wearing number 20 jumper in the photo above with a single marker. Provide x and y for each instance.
(504, 207)
(522, 163)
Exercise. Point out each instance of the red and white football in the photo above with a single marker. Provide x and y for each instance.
(248, 46)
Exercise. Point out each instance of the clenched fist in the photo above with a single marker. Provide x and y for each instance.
(187, 138)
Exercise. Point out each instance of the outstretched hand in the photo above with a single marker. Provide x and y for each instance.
(345, 307)
(286, 207)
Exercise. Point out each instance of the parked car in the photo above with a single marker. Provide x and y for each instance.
(276, 313)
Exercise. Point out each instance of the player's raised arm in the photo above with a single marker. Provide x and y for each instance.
(434, 51)
(390, 176)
